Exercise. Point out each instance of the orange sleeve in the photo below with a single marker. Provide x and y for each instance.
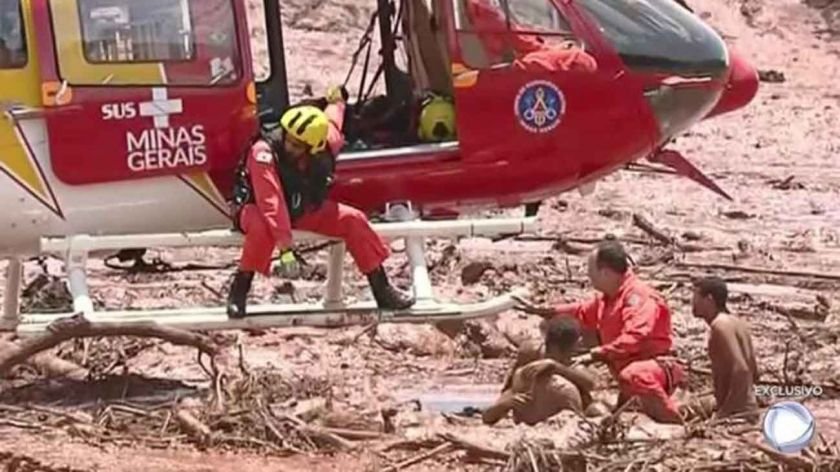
(335, 135)
(557, 59)
(638, 320)
(586, 312)
(268, 193)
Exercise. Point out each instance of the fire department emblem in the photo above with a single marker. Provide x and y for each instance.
(539, 106)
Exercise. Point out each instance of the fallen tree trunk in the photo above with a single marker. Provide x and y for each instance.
(759, 270)
(50, 365)
(79, 327)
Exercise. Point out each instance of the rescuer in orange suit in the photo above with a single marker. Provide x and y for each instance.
(633, 323)
(283, 185)
(531, 53)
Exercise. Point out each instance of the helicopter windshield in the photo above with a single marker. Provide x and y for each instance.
(659, 35)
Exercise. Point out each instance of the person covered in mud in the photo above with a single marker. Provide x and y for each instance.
(634, 326)
(734, 370)
(541, 383)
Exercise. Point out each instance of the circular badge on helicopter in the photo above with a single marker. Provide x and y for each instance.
(539, 106)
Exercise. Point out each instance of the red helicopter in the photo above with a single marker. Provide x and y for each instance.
(126, 121)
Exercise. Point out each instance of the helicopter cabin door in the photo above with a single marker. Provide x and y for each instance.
(527, 82)
(135, 89)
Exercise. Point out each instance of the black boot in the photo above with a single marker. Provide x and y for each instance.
(238, 295)
(386, 295)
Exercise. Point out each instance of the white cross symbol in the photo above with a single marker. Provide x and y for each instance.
(161, 107)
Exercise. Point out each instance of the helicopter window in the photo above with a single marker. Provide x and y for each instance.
(492, 32)
(660, 35)
(147, 31)
(13, 53)
(259, 40)
(148, 42)
(538, 16)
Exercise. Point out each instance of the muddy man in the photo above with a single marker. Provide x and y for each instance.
(734, 370)
(541, 383)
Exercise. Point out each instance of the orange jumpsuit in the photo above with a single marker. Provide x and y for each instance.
(532, 55)
(634, 329)
(267, 223)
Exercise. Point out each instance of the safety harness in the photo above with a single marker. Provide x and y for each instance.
(302, 190)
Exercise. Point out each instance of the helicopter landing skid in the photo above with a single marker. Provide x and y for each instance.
(332, 312)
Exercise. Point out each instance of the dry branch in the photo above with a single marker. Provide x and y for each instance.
(759, 270)
(79, 327)
(319, 433)
(645, 225)
(441, 449)
(193, 426)
(793, 462)
(410, 444)
(353, 434)
(473, 448)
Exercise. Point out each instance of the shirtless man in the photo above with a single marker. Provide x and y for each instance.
(734, 370)
(540, 383)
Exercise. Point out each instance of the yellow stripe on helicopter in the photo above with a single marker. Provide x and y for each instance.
(20, 87)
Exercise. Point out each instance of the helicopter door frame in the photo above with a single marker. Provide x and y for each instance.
(273, 93)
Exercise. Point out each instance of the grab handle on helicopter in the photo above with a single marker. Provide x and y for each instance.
(22, 113)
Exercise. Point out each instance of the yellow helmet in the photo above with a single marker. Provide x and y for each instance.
(437, 120)
(307, 124)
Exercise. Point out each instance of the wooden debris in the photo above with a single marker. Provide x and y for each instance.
(645, 225)
(770, 75)
(788, 183)
(50, 365)
(321, 434)
(794, 462)
(193, 426)
(803, 311)
(474, 448)
(310, 409)
(79, 327)
(758, 270)
(354, 434)
(441, 449)
(737, 215)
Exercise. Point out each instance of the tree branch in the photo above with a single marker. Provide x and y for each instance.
(79, 327)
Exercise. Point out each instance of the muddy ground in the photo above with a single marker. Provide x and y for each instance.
(778, 244)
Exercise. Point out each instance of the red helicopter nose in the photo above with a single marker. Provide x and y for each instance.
(741, 87)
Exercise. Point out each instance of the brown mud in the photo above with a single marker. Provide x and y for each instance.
(778, 158)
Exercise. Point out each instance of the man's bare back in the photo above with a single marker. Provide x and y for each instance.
(540, 385)
(734, 368)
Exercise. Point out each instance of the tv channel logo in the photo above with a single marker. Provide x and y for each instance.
(789, 427)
